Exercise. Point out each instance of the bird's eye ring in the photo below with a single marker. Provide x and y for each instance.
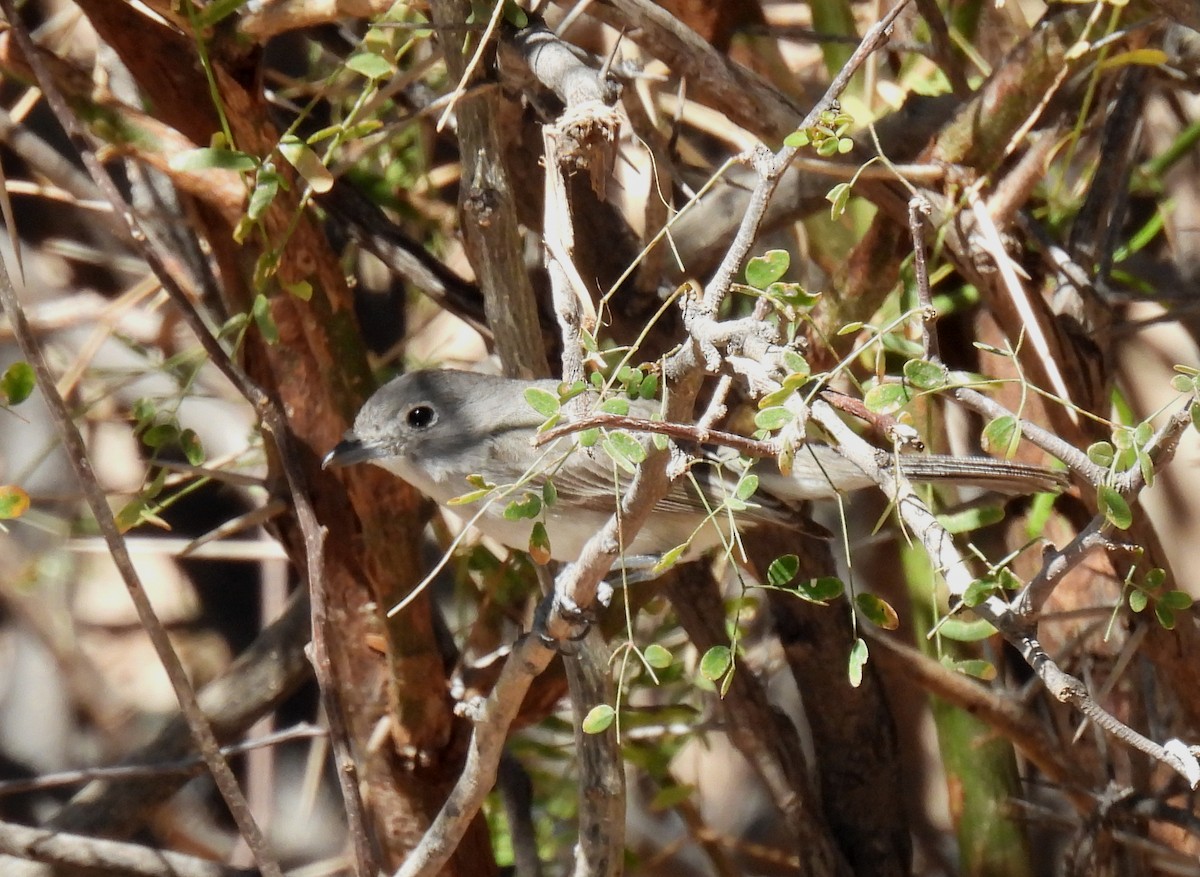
(421, 416)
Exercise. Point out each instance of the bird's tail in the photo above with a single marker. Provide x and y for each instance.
(1004, 476)
(820, 472)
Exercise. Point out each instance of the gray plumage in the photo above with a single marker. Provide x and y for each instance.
(434, 428)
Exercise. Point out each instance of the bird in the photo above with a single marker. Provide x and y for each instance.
(458, 436)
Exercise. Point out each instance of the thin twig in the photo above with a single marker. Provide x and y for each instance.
(918, 210)
(117, 857)
(120, 772)
(679, 431)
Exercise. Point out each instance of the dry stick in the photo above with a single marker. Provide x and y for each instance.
(488, 209)
(584, 135)
(1049, 442)
(1097, 534)
(187, 766)
(679, 431)
(94, 854)
(1012, 620)
(771, 168)
(276, 423)
(947, 560)
(918, 210)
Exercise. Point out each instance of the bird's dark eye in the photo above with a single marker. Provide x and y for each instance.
(421, 416)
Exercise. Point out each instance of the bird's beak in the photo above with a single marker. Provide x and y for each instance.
(349, 451)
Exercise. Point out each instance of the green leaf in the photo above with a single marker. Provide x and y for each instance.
(17, 383)
(796, 364)
(670, 558)
(1165, 616)
(926, 375)
(975, 667)
(821, 590)
(762, 271)
(979, 590)
(797, 139)
(161, 435)
(1002, 435)
(773, 418)
(648, 389)
(526, 507)
(539, 544)
(775, 398)
(261, 311)
(267, 184)
(192, 449)
(670, 797)
(657, 656)
(782, 570)
(877, 611)
(1196, 416)
(589, 437)
(301, 289)
(971, 519)
(858, 661)
(1155, 579)
(887, 398)
(14, 502)
(716, 663)
(616, 405)
(622, 444)
(964, 631)
(747, 486)
(549, 493)
(1101, 453)
(793, 295)
(1114, 508)
(1146, 465)
(838, 197)
(542, 401)
(370, 65)
(306, 162)
(1176, 600)
(468, 498)
(598, 719)
(130, 515)
(212, 158)
(1138, 600)
(515, 15)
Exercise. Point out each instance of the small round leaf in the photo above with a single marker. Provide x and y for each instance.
(598, 719)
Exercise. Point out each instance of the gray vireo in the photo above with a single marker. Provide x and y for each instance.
(437, 428)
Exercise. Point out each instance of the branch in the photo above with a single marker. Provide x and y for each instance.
(135, 860)
(950, 563)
